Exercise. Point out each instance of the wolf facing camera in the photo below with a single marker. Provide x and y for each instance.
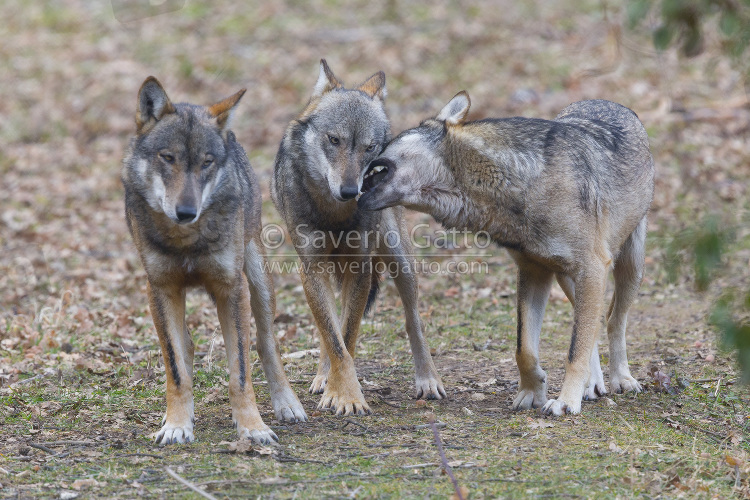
(193, 207)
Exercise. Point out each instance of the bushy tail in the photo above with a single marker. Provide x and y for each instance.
(374, 289)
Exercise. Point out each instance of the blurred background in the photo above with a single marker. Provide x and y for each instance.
(70, 71)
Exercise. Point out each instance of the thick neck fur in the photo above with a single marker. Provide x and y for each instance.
(484, 189)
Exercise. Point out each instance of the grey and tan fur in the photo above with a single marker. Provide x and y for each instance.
(314, 185)
(193, 207)
(569, 200)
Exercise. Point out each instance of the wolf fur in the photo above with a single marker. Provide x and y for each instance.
(315, 182)
(193, 208)
(568, 198)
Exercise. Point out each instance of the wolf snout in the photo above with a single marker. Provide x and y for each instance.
(349, 192)
(186, 213)
(376, 171)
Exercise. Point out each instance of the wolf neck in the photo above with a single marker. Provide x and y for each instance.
(487, 193)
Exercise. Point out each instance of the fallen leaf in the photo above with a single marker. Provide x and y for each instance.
(539, 424)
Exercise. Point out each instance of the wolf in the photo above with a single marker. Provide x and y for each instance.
(314, 186)
(193, 207)
(568, 198)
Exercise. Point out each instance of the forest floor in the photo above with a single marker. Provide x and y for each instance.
(81, 376)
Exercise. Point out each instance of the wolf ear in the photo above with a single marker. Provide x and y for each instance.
(222, 110)
(327, 81)
(455, 111)
(153, 104)
(375, 86)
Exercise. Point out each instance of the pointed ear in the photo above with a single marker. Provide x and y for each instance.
(455, 111)
(327, 81)
(375, 86)
(153, 105)
(222, 110)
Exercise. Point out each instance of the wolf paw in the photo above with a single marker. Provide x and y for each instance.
(262, 435)
(594, 388)
(287, 407)
(430, 388)
(558, 407)
(174, 434)
(344, 404)
(624, 383)
(527, 398)
(318, 384)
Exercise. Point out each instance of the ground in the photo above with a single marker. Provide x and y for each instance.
(81, 379)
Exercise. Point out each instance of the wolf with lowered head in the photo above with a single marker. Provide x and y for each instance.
(193, 208)
(569, 200)
(314, 187)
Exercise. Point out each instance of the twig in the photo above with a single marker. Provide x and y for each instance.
(70, 443)
(43, 448)
(139, 455)
(26, 380)
(718, 386)
(444, 460)
(187, 483)
(419, 466)
(5, 471)
(626, 423)
(386, 401)
(353, 422)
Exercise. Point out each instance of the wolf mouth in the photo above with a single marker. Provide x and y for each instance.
(376, 171)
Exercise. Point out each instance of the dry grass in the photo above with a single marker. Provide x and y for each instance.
(72, 291)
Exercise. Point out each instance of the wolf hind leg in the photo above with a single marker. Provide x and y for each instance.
(628, 273)
(533, 286)
(595, 387)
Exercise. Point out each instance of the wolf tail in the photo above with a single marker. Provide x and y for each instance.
(374, 289)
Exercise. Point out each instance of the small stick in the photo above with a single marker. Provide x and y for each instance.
(718, 386)
(4, 471)
(190, 485)
(71, 443)
(443, 459)
(350, 421)
(418, 466)
(43, 448)
(139, 455)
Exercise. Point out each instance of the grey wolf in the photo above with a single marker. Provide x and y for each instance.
(568, 198)
(314, 187)
(193, 207)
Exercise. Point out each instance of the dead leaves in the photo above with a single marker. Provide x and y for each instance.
(245, 446)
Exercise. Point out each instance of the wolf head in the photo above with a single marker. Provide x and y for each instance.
(411, 166)
(344, 130)
(179, 153)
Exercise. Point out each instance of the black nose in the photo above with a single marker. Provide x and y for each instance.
(349, 192)
(186, 213)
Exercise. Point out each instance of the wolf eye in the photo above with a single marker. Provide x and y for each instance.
(167, 157)
(208, 162)
(371, 148)
(334, 140)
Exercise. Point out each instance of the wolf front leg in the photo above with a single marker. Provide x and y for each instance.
(168, 311)
(342, 391)
(286, 406)
(233, 305)
(589, 299)
(398, 259)
(533, 286)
